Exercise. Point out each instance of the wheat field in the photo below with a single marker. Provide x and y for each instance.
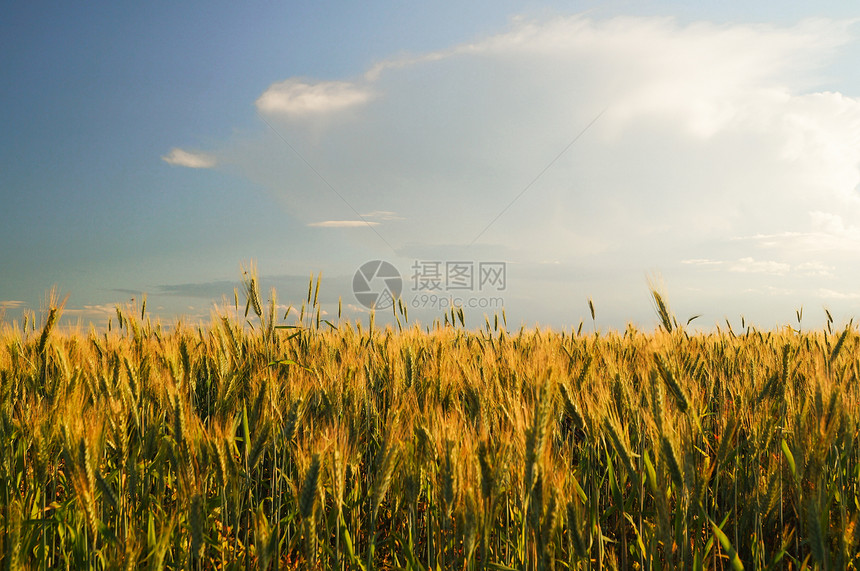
(267, 441)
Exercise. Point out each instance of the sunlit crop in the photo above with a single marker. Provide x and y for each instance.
(272, 441)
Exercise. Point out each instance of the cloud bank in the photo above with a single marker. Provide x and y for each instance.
(717, 143)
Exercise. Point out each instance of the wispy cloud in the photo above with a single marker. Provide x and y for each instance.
(356, 308)
(839, 295)
(374, 218)
(295, 97)
(815, 269)
(827, 232)
(182, 158)
(12, 304)
(704, 262)
(750, 265)
(95, 312)
(343, 224)
(382, 215)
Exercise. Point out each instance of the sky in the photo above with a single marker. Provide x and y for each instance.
(491, 154)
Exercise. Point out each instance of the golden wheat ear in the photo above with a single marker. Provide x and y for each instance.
(55, 310)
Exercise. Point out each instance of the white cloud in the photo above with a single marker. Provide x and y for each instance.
(815, 269)
(295, 97)
(382, 215)
(827, 233)
(181, 158)
(88, 313)
(12, 304)
(813, 242)
(771, 290)
(838, 295)
(356, 308)
(834, 225)
(702, 262)
(711, 132)
(343, 224)
(699, 116)
(750, 265)
(713, 77)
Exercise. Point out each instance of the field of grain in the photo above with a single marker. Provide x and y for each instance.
(271, 442)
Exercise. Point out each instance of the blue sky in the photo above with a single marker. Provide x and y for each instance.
(156, 147)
